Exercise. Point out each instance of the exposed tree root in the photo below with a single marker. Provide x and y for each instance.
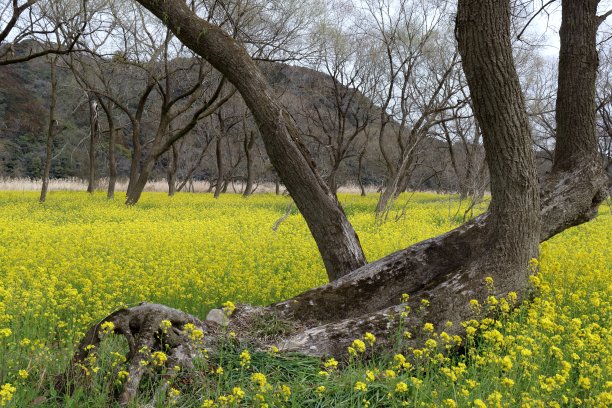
(142, 328)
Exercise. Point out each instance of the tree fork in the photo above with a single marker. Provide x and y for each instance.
(448, 270)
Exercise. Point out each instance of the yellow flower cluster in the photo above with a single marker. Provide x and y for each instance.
(68, 263)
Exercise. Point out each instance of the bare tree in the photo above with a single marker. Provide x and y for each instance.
(26, 27)
(51, 130)
(109, 108)
(338, 124)
(203, 139)
(94, 136)
(415, 68)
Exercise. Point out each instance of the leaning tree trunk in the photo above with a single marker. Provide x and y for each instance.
(335, 237)
(448, 270)
(50, 133)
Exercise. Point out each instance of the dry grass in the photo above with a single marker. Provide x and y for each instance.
(74, 184)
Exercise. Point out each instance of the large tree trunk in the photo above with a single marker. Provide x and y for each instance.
(335, 237)
(50, 133)
(451, 269)
(576, 110)
(448, 270)
(138, 186)
(577, 183)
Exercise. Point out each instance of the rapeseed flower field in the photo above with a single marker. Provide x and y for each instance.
(66, 264)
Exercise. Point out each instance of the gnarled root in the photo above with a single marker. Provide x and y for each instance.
(143, 329)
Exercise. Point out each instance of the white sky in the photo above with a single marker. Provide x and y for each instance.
(548, 24)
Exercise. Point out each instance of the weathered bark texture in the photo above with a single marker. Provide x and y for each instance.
(335, 237)
(51, 130)
(575, 110)
(448, 270)
(577, 183)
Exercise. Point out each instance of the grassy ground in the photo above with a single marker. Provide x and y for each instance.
(73, 260)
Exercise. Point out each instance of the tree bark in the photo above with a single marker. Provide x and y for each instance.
(93, 139)
(448, 270)
(577, 184)
(576, 110)
(112, 157)
(50, 132)
(335, 237)
(249, 143)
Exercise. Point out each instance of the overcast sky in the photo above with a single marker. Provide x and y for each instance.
(548, 25)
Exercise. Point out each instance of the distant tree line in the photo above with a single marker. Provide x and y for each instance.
(378, 93)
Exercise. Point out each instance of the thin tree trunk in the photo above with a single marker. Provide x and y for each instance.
(332, 179)
(112, 157)
(360, 170)
(249, 143)
(220, 167)
(335, 237)
(189, 175)
(93, 139)
(172, 168)
(211, 185)
(50, 132)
